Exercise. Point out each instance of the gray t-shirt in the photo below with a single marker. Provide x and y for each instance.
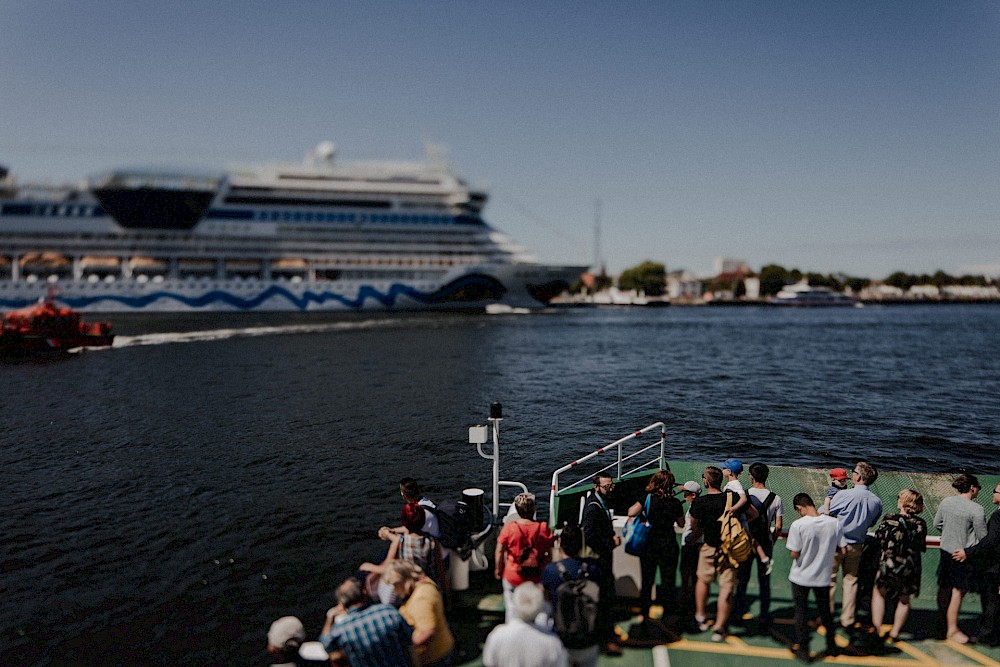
(962, 523)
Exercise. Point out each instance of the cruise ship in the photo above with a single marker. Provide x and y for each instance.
(318, 236)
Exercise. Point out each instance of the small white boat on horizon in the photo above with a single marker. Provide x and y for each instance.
(803, 294)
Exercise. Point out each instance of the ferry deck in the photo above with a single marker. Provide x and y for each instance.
(477, 610)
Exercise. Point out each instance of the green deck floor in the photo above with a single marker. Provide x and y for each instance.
(745, 647)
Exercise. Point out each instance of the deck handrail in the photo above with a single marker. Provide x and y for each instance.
(504, 506)
(619, 461)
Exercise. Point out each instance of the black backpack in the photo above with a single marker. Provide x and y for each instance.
(759, 525)
(451, 521)
(576, 607)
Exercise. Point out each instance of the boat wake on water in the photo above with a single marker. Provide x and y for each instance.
(167, 338)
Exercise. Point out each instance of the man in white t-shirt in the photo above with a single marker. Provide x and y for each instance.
(813, 540)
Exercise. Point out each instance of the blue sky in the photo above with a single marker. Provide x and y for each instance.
(854, 136)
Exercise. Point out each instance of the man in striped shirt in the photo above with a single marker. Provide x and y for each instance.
(366, 634)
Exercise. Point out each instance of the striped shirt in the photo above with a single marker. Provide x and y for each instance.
(375, 635)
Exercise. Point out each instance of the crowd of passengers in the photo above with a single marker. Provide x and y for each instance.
(393, 613)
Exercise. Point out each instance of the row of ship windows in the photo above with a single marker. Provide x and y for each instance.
(60, 210)
(354, 218)
(64, 264)
(90, 211)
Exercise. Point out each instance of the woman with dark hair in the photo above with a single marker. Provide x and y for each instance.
(962, 523)
(902, 538)
(662, 551)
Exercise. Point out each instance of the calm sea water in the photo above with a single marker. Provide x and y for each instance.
(164, 500)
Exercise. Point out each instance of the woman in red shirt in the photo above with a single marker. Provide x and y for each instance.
(524, 548)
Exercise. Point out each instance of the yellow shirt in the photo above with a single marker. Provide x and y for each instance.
(425, 609)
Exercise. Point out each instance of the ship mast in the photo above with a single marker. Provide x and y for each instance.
(597, 234)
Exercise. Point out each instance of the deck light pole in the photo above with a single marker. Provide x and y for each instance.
(479, 435)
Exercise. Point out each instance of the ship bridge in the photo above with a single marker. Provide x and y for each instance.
(152, 199)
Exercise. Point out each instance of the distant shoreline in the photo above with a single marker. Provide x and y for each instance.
(769, 304)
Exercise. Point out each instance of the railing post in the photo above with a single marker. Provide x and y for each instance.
(496, 415)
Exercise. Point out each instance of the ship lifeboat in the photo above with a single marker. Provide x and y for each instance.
(44, 264)
(47, 328)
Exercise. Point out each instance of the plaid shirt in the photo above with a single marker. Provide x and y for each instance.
(375, 635)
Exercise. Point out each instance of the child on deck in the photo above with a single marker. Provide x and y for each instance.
(731, 471)
(838, 482)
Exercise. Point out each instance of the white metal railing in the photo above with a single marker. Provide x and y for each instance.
(504, 507)
(618, 465)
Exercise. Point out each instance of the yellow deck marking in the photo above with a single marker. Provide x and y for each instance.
(732, 649)
(842, 642)
(911, 650)
(972, 653)
(736, 646)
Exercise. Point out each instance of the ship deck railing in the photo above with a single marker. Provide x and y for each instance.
(632, 457)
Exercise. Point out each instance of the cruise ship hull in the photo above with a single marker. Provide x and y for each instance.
(473, 288)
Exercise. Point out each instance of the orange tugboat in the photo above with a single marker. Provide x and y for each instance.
(46, 328)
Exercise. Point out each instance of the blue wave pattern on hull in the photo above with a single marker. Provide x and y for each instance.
(486, 286)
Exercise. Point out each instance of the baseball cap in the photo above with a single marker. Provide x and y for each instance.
(692, 486)
(734, 466)
(838, 473)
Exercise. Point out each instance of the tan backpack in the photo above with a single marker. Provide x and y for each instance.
(736, 546)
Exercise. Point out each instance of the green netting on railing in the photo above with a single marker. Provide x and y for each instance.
(789, 481)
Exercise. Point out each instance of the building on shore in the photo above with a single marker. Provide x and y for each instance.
(683, 287)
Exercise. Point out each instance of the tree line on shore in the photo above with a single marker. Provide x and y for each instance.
(650, 277)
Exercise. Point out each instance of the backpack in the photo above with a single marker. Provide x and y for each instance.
(530, 561)
(451, 519)
(735, 546)
(576, 607)
(759, 525)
